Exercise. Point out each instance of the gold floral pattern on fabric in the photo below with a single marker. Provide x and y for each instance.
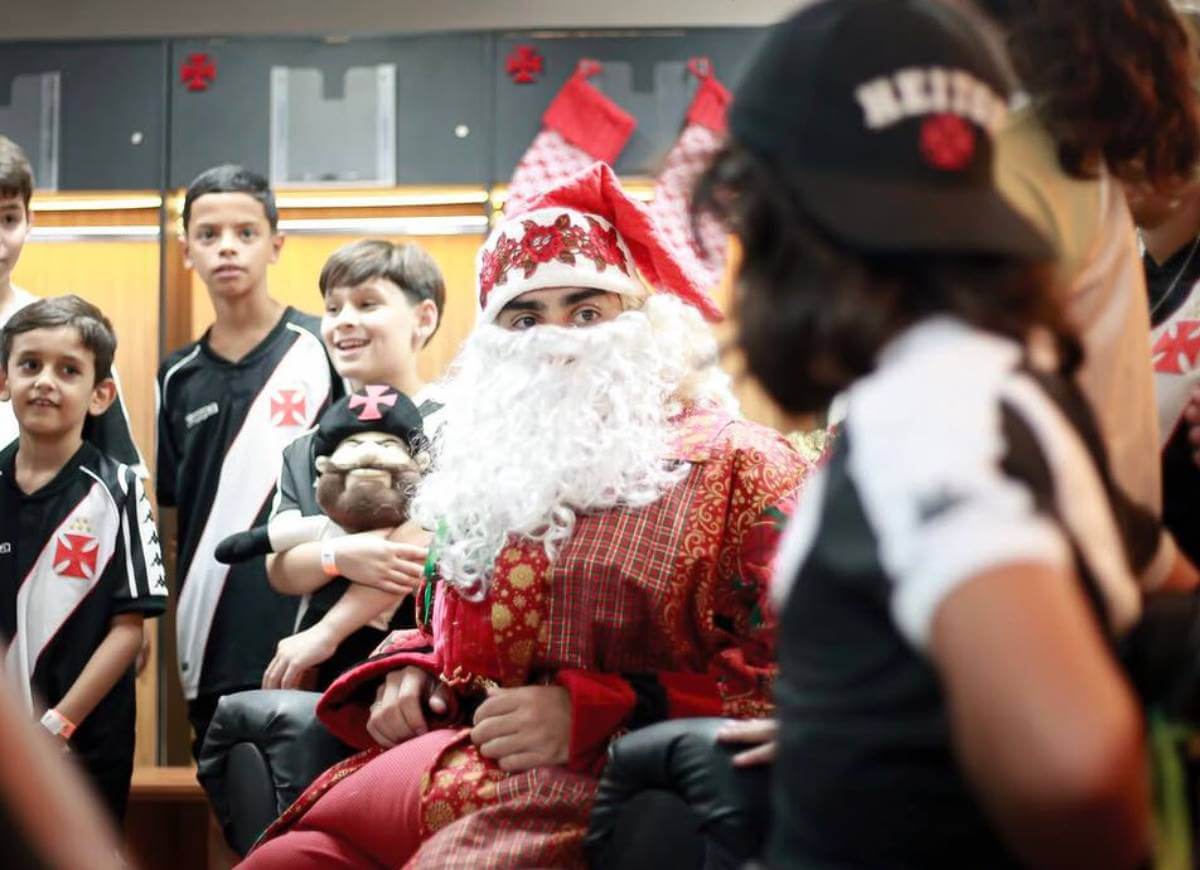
(732, 601)
(493, 642)
(536, 819)
(518, 601)
(460, 782)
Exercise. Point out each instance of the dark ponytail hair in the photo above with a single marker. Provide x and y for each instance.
(813, 315)
(1114, 81)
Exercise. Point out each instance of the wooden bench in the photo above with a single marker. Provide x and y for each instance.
(168, 823)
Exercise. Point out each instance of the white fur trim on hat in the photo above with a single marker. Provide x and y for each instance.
(552, 247)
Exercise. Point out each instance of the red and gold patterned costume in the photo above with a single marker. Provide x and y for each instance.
(672, 595)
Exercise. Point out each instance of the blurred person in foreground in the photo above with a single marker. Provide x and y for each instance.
(953, 582)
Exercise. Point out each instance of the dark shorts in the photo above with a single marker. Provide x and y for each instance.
(110, 777)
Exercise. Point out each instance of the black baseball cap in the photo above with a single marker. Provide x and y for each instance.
(882, 114)
(374, 408)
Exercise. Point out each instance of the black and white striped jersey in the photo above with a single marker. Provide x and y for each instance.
(222, 427)
(954, 458)
(75, 553)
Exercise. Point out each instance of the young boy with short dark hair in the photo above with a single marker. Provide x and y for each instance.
(228, 405)
(383, 302)
(110, 431)
(80, 565)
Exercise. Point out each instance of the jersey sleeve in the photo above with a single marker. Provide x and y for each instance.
(142, 582)
(949, 511)
(167, 458)
(292, 476)
(113, 436)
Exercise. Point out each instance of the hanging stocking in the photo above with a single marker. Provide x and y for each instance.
(580, 127)
(703, 133)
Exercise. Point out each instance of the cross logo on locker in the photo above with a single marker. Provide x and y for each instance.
(75, 552)
(288, 407)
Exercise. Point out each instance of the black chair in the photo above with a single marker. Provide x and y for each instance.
(669, 795)
(261, 751)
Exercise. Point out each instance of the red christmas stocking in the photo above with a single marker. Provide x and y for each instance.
(580, 127)
(703, 133)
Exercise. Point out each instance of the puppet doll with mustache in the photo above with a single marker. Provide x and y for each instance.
(370, 452)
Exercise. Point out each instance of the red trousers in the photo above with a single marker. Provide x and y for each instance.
(370, 819)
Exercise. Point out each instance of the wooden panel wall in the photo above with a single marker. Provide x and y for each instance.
(121, 277)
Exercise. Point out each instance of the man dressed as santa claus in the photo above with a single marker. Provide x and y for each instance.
(604, 524)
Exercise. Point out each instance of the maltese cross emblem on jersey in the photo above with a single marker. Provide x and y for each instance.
(75, 555)
(287, 408)
(1178, 348)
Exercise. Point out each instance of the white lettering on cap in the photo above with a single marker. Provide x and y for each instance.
(908, 93)
(913, 85)
(880, 103)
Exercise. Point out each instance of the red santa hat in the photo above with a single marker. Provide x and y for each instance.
(584, 232)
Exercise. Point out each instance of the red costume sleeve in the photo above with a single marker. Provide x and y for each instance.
(346, 704)
(736, 624)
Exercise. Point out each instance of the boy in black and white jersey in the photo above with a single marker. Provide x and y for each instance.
(228, 405)
(80, 565)
(383, 302)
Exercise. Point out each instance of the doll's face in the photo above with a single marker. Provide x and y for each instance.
(368, 481)
(369, 453)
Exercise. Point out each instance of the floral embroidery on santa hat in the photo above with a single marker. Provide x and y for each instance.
(584, 232)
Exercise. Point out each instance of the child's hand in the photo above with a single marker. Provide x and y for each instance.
(372, 560)
(296, 655)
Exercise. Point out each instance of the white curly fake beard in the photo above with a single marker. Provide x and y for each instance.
(549, 423)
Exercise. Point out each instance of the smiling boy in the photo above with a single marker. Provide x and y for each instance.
(228, 405)
(383, 302)
(80, 565)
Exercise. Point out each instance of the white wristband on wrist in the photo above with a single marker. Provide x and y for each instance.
(58, 724)
(328, 559)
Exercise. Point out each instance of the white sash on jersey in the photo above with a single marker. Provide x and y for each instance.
(248, 472)
(65, 572)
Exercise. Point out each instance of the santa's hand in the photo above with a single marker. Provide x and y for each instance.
(401, 704)
(371, 559)
(525, 727)
(760, 734)
(1191, 414)
(297, 654)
